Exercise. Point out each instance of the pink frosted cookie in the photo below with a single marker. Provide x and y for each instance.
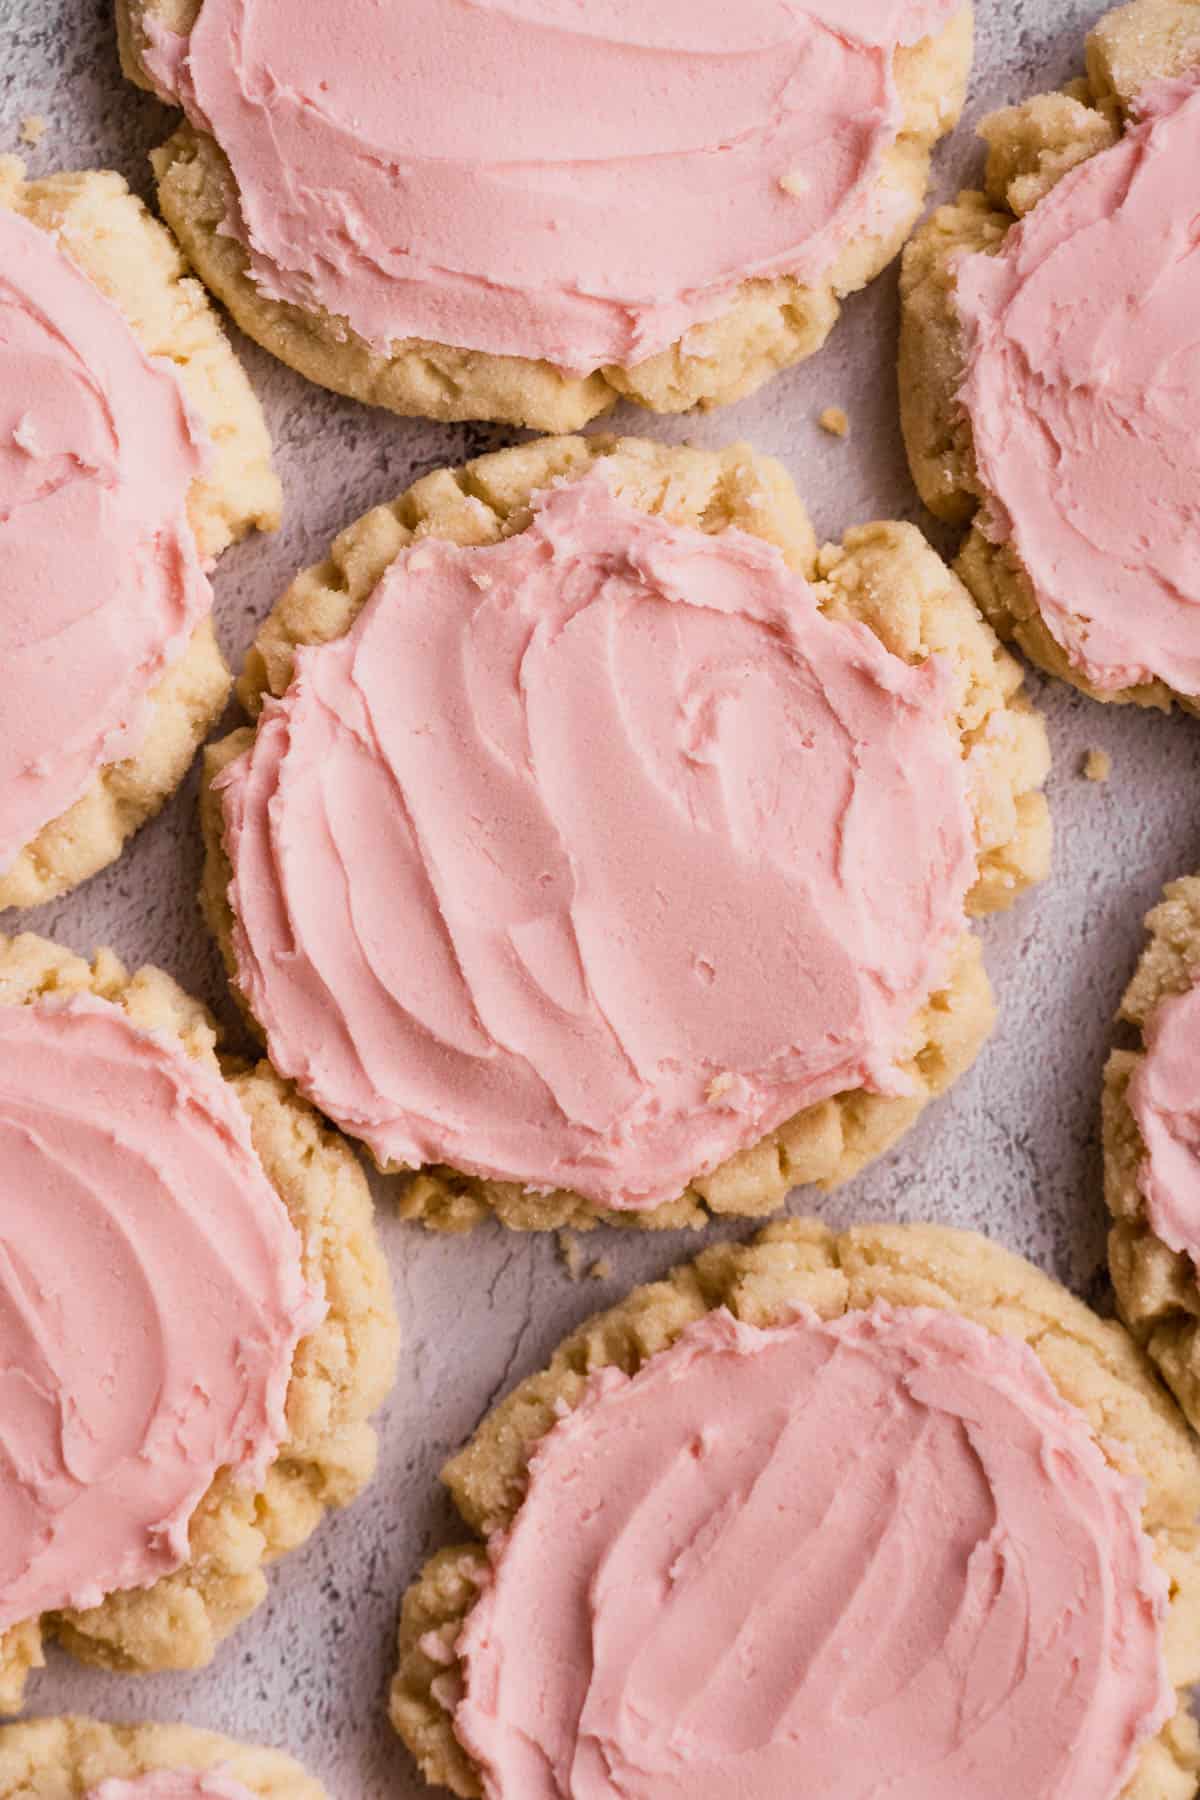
(604, 844)
(1152, 1146)
(132, 451)
(832, 1516)
(194, 1319)
(84, 1759)
(1050, 371)
(523, 211)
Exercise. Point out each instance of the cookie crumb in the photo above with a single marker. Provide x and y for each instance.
(482, 582)
(1097, 765)
(601, 1269)
(420, 560)
(835, 421)
(720, 1084)
(33, 129)
(795, 183)
(571, 1252)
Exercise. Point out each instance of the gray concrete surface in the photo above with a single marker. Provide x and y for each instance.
(1013, 1150)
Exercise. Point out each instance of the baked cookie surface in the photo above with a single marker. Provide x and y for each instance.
(74, 1758)
(995, 1320)
(141, 1544)
(135, 450)
(1065, 292)
(1151, 1167)
(661, 692)
(669, 230)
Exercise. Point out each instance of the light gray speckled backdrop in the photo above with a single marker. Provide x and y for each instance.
(1012, 1150)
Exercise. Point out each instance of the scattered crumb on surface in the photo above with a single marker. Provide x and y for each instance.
(834, 421)
(601, 1269)
(1097, 765)
(795, 182)
(33, 128)
(571, 1251)
(720, 1084)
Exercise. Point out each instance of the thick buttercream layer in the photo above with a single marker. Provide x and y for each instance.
(541, 179)
(587, 858)
(874, 1555)
(102, 584)
(1164, 1097)
(1083, 392)
(173, 1784)
(151, 1301)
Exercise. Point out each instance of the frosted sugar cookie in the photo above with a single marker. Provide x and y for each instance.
(892, 1488)
(83, 1759)
(132, 452)
(606, 848)
(1152, 1146)
(524, 211)
(1049, 372)
(195, 1320)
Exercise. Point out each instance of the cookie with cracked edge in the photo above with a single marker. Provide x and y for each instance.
(341, 1369)
(884, 578)
(134, 263)
(1102, 1381)
(1076, 148)
(768, 324)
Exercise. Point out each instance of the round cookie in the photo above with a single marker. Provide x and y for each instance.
(728, 199)
(85, 1759)
(209, 1398)
(1151, 1169)
(1046, 366)
(132, 447)
(690, 521)
(988, 1318)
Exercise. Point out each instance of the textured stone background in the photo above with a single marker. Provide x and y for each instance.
(1013, 1150)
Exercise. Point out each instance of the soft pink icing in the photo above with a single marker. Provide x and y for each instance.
(102, 585)
(874, 1556)
(1083, 390)
(151, 1300)
(537, 177)
(172, 1784)
(587, 858)
(1164, 1096)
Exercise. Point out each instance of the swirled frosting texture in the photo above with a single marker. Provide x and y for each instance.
(1083, 391)
(173, 1784)
(102, 583)
(587, 858)
(151, 1299)
(540, 178)
(878, 1555)
(1164, 1097)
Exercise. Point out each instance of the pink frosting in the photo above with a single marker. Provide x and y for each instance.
(1083, 391)
(151, 1300)
(537, 177)
(874, 1556)
(102, 585)
(587, 858)
(173, 1784)
(1164, 1096)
